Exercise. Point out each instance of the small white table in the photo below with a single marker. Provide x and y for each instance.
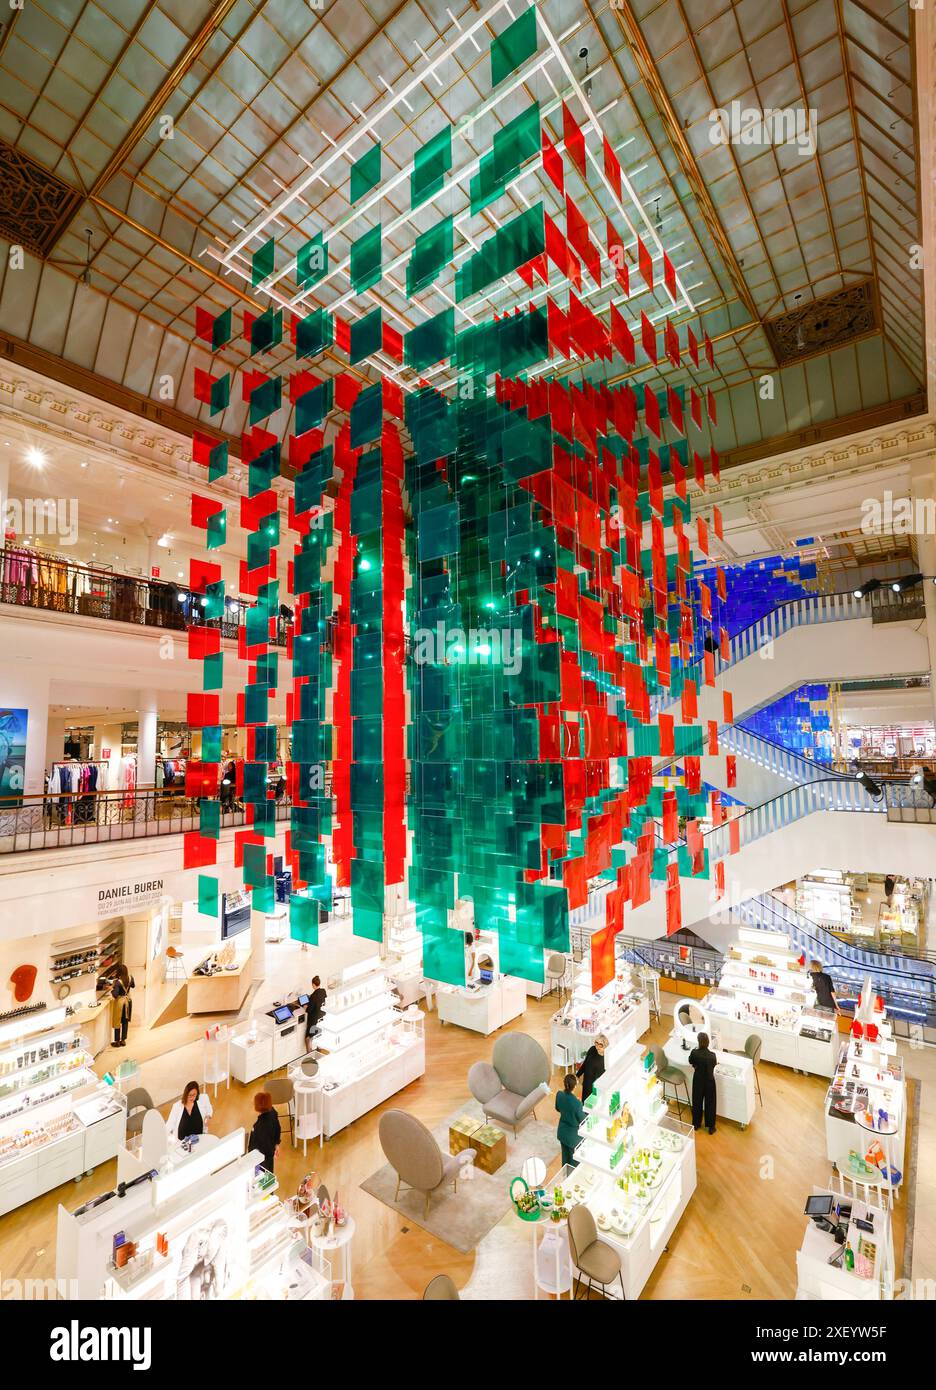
(552, 1260)
(336, 1250)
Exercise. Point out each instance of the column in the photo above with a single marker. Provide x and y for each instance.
(55, 739)
(922, 491)
(146, 738)
(4, 485)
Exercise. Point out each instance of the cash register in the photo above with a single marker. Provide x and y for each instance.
(289, 1020)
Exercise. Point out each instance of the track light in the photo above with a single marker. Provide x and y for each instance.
(868, 587)
(906, 581)
(873, 788)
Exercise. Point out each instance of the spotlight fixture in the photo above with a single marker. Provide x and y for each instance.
(868, 587)
(36, 457)
(906, 581)
(874, 789)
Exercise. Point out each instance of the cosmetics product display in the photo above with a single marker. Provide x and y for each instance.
(619, 1011)
(365, 1053)
(51, 1101)
(765, 989)
(865, 1113)
(635, 1164)
(847, 1250)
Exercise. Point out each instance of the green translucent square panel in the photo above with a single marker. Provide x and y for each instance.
(266, 399)
(217, 529)
(366, 335)
(211, 743)
(266, 331)
(312, 262)
(207, 895)
(430, 342)
(431, 251)
(367, 416)
(366, 260)
(430, 166)
(221, 330)
(213, 672)
(220, 394)
(214, 601)
(218, 462)
(517, 142)
(514, 46)
(261, 262)
(303, 919)
(314, 405)
(365, 173)
(512, 245)
(314, 333)
(209, 819)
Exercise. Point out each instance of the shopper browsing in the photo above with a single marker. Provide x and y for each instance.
(592, 1065)
(265, 1135)
(571, 1114)
(315, 1007)
(121, 1006)
(190, 1115)
(822, 984)
(704, 1097)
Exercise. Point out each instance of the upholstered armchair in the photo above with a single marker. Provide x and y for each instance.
(412, 1152)
(509, 1087)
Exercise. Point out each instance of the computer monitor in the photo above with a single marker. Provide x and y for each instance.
(303, 999)
(283, 1014)
(819, 1204)
(486, 976)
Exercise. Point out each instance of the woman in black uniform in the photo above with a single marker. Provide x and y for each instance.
(703, 1061)
(265, 1134)
(592, 1066)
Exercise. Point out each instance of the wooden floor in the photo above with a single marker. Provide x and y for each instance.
(737, 1239)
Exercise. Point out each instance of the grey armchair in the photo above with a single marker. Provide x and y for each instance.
(510, 1086)
(419, 1163)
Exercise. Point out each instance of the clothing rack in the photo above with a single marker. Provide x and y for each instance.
(77, 801)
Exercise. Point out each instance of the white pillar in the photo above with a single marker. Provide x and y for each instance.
(922, 490)
(55, 739)
(258, 944)
(146, 739)
(4, 488)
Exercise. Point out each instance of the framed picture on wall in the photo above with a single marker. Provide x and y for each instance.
(13, 724)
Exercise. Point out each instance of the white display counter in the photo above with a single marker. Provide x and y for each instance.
(734, 1081)
(198, 1230)
(401, 1062)
(629, 1138)
(872, 1275)
(57, 1120)
(765, 991)
(483, 1009)
(569, 1044)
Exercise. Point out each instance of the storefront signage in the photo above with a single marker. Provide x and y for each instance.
(127, 897)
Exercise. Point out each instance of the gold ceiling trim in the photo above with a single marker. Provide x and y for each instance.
(873, 417)
(824, 324)
(35, 205)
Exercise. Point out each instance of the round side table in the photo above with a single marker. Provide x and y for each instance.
(335, 1250)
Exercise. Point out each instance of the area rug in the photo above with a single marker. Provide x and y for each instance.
(463, 1220)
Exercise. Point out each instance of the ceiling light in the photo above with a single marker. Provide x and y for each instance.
(36, 457)
(906, 581)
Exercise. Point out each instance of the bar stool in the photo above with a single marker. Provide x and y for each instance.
(753, 1047)
(669, 1075)
(281, 1092)
(175, 965)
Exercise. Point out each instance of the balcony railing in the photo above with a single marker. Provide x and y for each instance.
(31, 580)
(65, 821)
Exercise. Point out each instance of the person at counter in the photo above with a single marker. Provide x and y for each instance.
(265, 1135)
(592, 1065)
(471, 957)
(190, 1115)
(315, 1007)
(571, 1115)
(703, 1062)
(822, 984)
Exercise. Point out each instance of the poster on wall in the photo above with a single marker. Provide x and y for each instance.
(12, 755)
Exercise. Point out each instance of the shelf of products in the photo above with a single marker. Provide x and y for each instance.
(77, 963)
(619, 1011)
(765, 991)
(865, 1112)
(636, 1166)
(206, 1231)
(366, 1053)
(57, 1120)
(406, 949)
